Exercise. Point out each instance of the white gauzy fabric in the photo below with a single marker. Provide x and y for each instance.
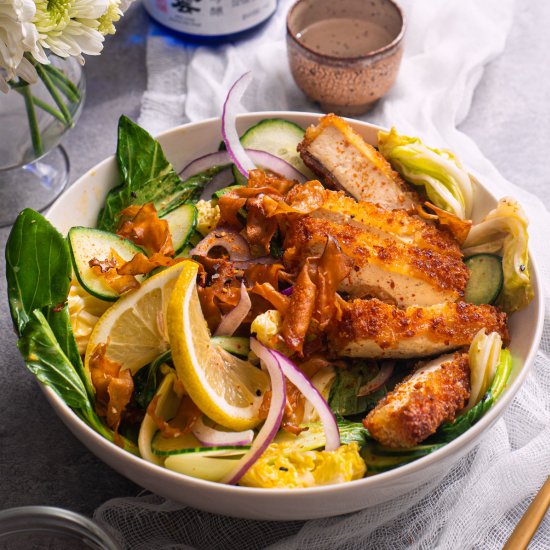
(480, 500)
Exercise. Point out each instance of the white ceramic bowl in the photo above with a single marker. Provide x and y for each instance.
(80, 204)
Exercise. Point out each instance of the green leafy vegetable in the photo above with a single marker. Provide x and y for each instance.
(381, 459)
(38, 267)
(147, 176)
(45, 358)
(60, 324)
(504, 230)
(449, 431)
(484, 356)
(38, 270)
(352, 431)
(446, 182)
(343, 399)
(147, 379)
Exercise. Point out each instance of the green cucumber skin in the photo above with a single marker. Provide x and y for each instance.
(118, 243)
(206, 451)
(237, 345)
(272, 135)
(187, 213)
(484, 285)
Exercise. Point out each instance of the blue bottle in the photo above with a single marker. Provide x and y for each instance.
(211, 20)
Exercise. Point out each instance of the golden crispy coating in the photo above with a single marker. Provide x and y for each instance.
(396, 224)
(371, 328)
(422, 402)
(345, 160)
(386, 268)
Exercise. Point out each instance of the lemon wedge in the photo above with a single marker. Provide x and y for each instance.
(134, 328)
(226, 389)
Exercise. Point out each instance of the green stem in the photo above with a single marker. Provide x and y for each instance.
(55, 94)
(70, 91)
(33, 123)
(43, 105)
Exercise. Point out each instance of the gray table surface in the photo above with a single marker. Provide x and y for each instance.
(40, 460)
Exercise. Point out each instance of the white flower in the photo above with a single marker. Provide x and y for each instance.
(70, 27)
(110, 17)
(18, 35)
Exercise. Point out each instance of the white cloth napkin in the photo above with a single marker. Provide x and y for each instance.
(480, 500)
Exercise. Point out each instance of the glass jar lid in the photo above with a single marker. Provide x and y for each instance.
(37, 527)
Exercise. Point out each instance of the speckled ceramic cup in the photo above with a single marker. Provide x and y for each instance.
(347, 85)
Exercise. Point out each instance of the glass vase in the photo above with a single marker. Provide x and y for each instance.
(34, 168)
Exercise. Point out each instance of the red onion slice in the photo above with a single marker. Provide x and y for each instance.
(235, 244)
(219, 181)
(231, 322)
(201, 164)
(210, 437)
(297, 377)
(229, 130)
(378, 381)
(275, 164)
(274, 415)
(288, 291)
(261, 159)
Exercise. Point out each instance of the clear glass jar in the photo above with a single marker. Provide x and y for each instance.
(34, 169)
(46, 527)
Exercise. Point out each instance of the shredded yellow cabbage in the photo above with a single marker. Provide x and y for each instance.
(279, 468)
(447, 184)
(504, 231)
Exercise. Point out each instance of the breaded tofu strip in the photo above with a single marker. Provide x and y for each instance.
(383, 267)
(373, 329)
(396, 224)
(414, 410)
(335, 151)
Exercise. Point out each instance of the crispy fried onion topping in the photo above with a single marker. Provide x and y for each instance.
(113, 386)
(457, 227)
(293, 415)
(219, 287)
(142, 226)
(186, 416)
(314, 297)
(263, 200)
(107, 269)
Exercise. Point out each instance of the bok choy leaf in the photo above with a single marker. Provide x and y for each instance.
(38, 267)
(504, 231)
(38, 270)
(446, 182)
(449, 431)
(146, 176)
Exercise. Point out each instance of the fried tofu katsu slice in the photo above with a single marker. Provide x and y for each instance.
(431, 395)
(338, 154)
(400, 225)
(383, 267)
(373, 329)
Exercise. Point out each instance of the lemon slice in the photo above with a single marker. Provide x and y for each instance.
(227, 389)
(134, 328)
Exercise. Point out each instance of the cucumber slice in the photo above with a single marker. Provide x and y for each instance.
(210, 466)
(237, 345)
(181, 221)
(276, 136)
(309, 440)
(486, 278)
(86, 244)
(221, 192)
(188, 443)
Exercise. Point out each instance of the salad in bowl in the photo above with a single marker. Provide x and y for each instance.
(297, 308)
